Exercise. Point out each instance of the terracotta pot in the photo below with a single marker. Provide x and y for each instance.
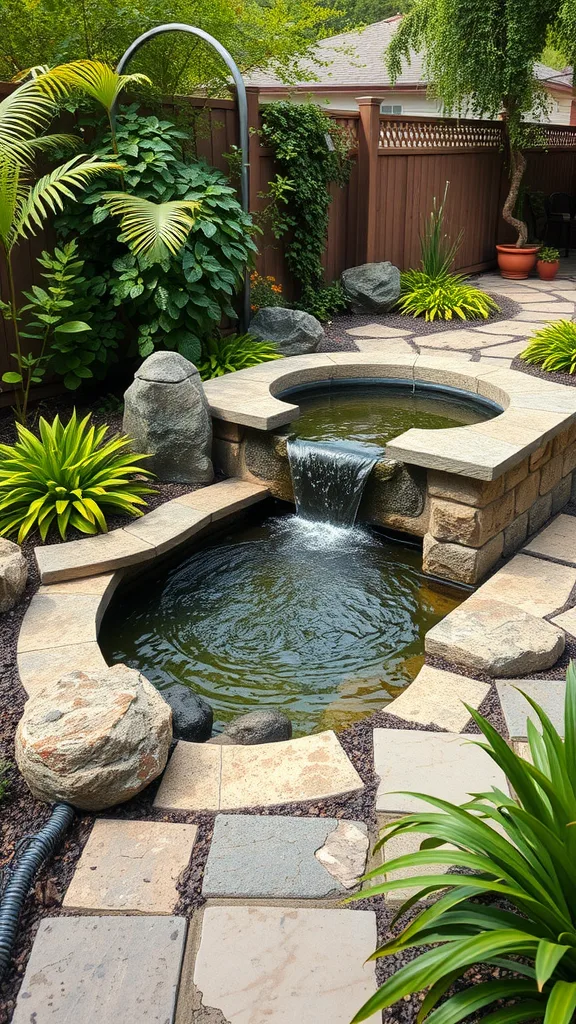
(516, 263)
(547, 271)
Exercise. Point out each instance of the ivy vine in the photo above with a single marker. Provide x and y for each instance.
(311, 153)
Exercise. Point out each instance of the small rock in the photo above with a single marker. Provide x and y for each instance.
(292, 331)
(259, 727)
(372, 286)
(496, 639)
(166, 413)
(192, 716)
(13, 574)
(222, 740)
(344, 853)
(111, 740)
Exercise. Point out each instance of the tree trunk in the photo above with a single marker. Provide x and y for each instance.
(517, 168)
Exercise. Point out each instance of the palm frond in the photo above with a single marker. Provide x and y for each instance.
(49, 193)
(153, 229)
(92, 77)
(23, 114)
(11, 196)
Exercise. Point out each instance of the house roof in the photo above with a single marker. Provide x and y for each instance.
(355, 60)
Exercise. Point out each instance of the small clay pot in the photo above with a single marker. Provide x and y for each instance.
(516, 263)
(547, 271)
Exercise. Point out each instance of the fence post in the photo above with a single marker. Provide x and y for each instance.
(253, 98)
(368, 141)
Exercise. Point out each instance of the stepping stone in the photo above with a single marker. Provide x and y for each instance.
(514, 327)
(548, 693)
(442, 764)
(532, 584)
(389, 346)
(542, 317)
(131, 867)
(274, 965)
(105, 969)
(550, 307)
(203, 776)
(277, 857)
(399, 846)
(463, 339)
(378, 331)
(510, 350)
(494, 638)
(558, 540)
(566, 621)
(436, 697)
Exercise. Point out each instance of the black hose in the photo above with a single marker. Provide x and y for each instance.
(38, 848)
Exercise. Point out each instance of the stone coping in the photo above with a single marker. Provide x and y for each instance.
(534, 410)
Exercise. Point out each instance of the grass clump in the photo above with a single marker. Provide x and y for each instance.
(553, 347)
(235, 352)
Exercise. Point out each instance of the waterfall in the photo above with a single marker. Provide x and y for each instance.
(329, 478)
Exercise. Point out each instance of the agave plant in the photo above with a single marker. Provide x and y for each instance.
(520, 849)
(69, 476)
(236, 352)
(554, 347)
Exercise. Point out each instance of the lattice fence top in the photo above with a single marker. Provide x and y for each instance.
(428, 134)
(559, 136)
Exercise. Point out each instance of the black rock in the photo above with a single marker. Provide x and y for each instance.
(259, 727)
(192, 716)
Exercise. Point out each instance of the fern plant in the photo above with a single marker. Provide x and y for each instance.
(69, 476)
(236, 352)
(553, 347)
(521, 849)
(443, 297)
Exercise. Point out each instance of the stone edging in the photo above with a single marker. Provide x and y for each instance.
(534, 409)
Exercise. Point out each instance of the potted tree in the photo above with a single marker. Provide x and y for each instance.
(479, 60)
(548, 263)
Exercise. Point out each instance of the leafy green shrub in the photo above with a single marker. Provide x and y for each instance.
(325, 302)
(443, 297)
(69, 476)
(177, 302)
(553, 347)
(264, 291)
(519, 849)
(548, 254)
(236, 352)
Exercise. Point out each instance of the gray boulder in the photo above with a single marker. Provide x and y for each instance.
(259, 727)
(166, 413)
(293, 332)
(192, 716)
(13, 574)
(373, 287)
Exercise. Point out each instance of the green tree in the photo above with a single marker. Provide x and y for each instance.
(276, 33)
(479, 59)
(366, 12)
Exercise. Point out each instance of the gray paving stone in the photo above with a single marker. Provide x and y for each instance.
(274, 856)
(548, 693)
(104, 969)
(280, 965)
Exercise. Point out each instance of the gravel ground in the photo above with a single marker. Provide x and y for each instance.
(537, 371)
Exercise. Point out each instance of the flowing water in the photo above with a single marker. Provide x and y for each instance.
(329, 478)
(323, 622)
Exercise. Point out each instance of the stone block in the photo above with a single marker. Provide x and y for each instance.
(131, 867)
(38, 669)
(256, 965)
(551, 474)
(539, 512)
(227, 457)
(563, 440)
(105, 969)
(464, 489)
(441, 764)
(527, 493)
(227, 431)
(463, 524)
(558, 540)
(168, 526)
(515, 534)
(532, 584)
(224, 498)
(540, 456)
(516, 475)
(459, 563)
(91, 556)
(63, 619)
(569, 464)
(279, 857)
(437, 697)
(561, 494)
(548, 693)
(464, 451)
(191, 781)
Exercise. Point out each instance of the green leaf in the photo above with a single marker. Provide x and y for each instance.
(561, 1003)
(11, 377)
(72, 327)
(548, 956)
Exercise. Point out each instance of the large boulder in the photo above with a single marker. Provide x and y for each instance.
(292, 332)
(259, 727)
(94, 739)
(13, 574)
(166, 412)
(372, 287)
(192, 716)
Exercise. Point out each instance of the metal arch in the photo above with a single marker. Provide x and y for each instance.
(242, 115)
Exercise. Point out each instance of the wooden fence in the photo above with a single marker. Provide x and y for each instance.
(399, 165)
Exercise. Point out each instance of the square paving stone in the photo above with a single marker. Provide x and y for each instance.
(275, 856)
(442, 764)
(567, 621)
(556, 541)
(437, 697)
(532, 584)
(131, 867)
(104, 969)
(274, 965)
(399, 846)
(548, 693)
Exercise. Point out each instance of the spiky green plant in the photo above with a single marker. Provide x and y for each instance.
(443, 297)
(437, 251)
(236, 352)
(521, 849)
(69, 476)
(553, 347)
